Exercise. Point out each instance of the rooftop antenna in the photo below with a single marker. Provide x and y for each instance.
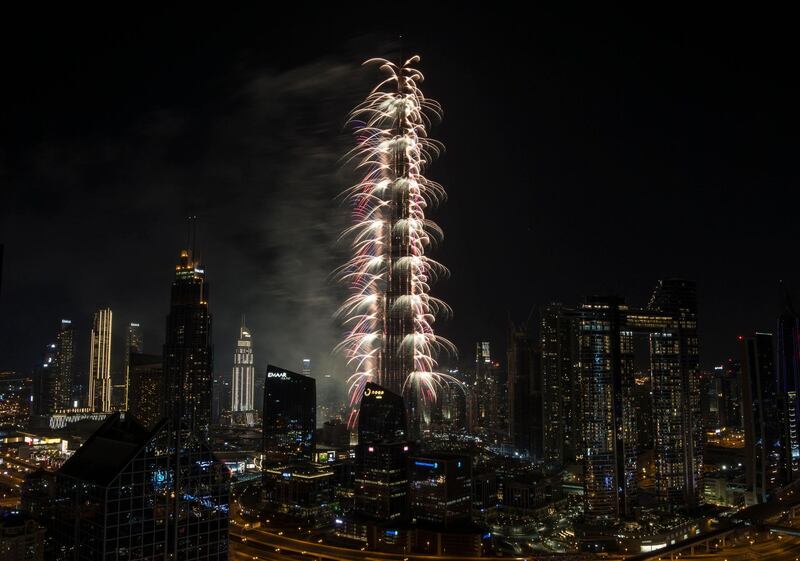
(191, 235)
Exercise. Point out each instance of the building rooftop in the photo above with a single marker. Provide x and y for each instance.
(108, 450)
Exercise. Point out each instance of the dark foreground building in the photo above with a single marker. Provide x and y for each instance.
(290, 415)
(761, 416)
(127, 494)
(188, 354)
(381, 491)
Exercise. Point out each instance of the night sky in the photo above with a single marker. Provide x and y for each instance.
(586, 153)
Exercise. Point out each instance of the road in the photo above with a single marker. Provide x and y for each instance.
(776, 549)
(266, 545)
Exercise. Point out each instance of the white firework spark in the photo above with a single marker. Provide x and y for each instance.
(389, 239)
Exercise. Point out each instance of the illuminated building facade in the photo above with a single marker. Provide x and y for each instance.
(146, 399)
(561, 384)
(15, 398)
(761, 417)
(290, 415)
(607, 328)
(188, 353)
(302, 493)
(100, 362)
(243, 378)
(440, 490)
(788, 369)
(65, 363)
(670, 322)
(609, 430)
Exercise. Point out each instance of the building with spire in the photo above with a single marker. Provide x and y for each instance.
(243, 378)
(188, 358)
(100, 362)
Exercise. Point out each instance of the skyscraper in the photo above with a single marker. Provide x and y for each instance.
(65, 359)
(675, 374)
(134, 343)
(487, 395)
(788, 368)
(116, 497)
(290, 415)
(381, 417)
(243, 379)
(146, 384)
(381, 483)
(391, 312)
(199, 514)
(761, 417)
(45, 382)
(609, 428)
(100, 362)
(525, 409)
(607, 328)
(188, 359)
(561, 382)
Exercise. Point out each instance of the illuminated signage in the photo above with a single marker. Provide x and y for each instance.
(280, 375)
(377, 393)
(433, 465)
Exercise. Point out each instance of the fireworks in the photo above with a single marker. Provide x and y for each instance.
(390, 312)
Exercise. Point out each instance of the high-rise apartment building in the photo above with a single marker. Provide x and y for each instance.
(788, 369)
(146, 385)
(525, 407)
(607, 330)
(675, 374)
(609, 427)
(65, 363)
(761, 415)
(561, 384)
(100, 362)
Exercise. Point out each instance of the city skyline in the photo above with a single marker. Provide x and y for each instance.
(302, 202)
(601, 202)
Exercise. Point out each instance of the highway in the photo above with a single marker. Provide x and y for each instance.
(266, 545)
(776, 549)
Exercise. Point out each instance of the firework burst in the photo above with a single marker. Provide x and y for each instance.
(390, 312)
